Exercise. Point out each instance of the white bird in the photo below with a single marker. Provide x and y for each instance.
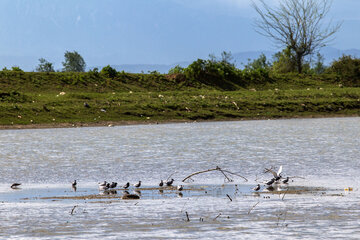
(277, 175)
(180, 187)
(137, 185)
(257, 188)
(104, 186)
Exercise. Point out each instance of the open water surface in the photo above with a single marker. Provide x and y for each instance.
(322, 156)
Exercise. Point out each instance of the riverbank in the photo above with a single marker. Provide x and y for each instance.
(41, 100)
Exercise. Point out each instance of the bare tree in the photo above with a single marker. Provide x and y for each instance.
(297, 25)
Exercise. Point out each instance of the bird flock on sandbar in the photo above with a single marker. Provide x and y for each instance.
(106, 187)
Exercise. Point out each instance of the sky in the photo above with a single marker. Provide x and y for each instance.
(141, 31)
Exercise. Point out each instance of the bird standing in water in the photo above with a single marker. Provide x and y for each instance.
(257, 188)
(15, 185)
(180, 187)
(161, 183)
(74, 183)
(137, 185)
(286, 180)
(169, 183)
(126, 186)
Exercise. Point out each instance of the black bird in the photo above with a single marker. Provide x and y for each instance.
(104, 186)
(74, 183)
(286, 180)
(257, 188)
(161, 183)
(169, 183)
(180, 187)
(137, 185)
(126, 186)
(15, 185)
(269, 183)
(113, 185)
(86, 105)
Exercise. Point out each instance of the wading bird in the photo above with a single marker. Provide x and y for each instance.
(161, 183)
(137, 185)
(74, 183)
(169, 183)
(126, 186)
(113, 185)
(15, 185)
(180, 187)
(257, 188)
(286, 180)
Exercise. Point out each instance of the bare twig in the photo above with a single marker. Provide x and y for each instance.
(72, 210)
(215, 169)
(217, 216)
(187, 217)
(253, 208)
(285, 194)
(229, 197)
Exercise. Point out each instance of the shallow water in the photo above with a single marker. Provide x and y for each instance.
(321, 154)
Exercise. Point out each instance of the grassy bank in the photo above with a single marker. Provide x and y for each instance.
(55, 98)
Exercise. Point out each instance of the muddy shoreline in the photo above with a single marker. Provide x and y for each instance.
(147, 122)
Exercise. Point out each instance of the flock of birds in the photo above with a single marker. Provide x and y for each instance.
(275, 181)
(104, 186)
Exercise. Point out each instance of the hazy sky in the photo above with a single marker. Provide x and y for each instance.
(142, 31)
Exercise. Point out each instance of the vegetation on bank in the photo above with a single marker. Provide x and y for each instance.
(211, 89)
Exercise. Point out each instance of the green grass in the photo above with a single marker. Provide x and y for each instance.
(40, 98)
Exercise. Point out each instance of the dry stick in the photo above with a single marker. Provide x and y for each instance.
(229, 197)
(215, 169)
(217, 216)
(187, 217)
(285, 194)
(196, 173)
(253, 207)
(236, 175)
(219, 169)
(72, 211)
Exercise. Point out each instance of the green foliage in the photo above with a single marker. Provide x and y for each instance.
(348, 69)
(261, 63)
(13, 97)
(16, 69)
(219, 73)
(109, 72)
(44, 66)
(176, 70)
(284, 62)
(319, 67)
(73, 62)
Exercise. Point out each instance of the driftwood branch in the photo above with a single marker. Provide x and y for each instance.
(216, 169)
(253, 207)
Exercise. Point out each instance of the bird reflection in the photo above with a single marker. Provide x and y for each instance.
(180, 194)
(74, 188)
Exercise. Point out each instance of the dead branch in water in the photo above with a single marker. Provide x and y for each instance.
(217, 216)
(72, 210)
(253, 207)
(229, 197)
(216, 169)
(187, 217)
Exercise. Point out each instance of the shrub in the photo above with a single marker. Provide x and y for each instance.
(109, 72)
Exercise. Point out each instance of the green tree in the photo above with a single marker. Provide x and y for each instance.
(108, 71)
(73, 62)
(319, 67)
(261, 63)
(44, 66)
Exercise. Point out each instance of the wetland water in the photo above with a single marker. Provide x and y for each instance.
(325, 152)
